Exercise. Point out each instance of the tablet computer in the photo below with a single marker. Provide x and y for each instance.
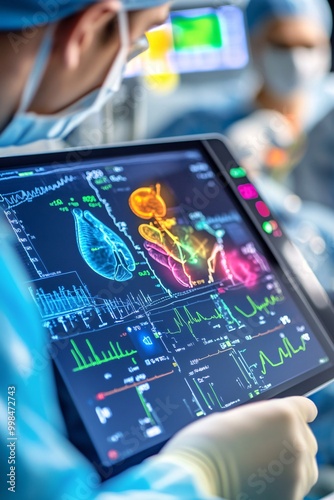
(166, 288)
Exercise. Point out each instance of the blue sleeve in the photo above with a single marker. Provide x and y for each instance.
(156, 479)
(323, 426)
(36, 459)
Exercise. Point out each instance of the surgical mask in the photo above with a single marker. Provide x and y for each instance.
(26, 127)
(287, 71)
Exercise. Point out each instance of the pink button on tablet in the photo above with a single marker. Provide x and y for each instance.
(248, 191)
(262, 208)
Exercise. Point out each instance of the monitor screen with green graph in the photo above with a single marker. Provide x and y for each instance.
(196, 40)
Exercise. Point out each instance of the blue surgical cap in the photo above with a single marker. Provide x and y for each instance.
(259, 12)
(22, 14)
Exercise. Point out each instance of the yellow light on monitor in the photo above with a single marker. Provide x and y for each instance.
(159, 74)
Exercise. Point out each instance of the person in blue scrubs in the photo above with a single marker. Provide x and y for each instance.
(290, 42)
(61, 61)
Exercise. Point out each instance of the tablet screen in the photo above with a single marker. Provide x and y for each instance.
(160, 297)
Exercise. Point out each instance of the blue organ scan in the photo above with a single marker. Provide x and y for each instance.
(154, 273)
(104, 251)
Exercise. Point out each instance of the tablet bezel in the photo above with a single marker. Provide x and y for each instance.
(313, 301)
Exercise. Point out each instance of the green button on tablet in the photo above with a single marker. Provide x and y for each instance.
(267, 227)
(238, 173)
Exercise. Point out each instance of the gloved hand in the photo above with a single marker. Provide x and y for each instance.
(264, 450)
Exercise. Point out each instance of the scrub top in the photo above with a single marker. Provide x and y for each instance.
(36, 459)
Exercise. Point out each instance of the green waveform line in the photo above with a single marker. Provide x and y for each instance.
(95, 360)
(147, 411)
(211, 399)
(268, 301)
(202, 394)
(193, 319)
(284, 353)
(241, 368)
(215, 394)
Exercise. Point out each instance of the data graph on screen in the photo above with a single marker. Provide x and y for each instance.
(159, 300)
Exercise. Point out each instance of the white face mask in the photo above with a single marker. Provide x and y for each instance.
(287, 71)
(26, 127)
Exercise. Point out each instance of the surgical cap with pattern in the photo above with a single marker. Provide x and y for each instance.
(23, 14)
(259, 12)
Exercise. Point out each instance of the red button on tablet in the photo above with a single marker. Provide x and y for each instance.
(248, 191)
(278, 233)
(113, 454)
(274, 225)
(262, 208)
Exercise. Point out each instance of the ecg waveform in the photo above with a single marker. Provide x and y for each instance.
(187, 319)
(69, 302)
(210, 398)
(190, 319)
(103, 395)
(62, 301)
(264, 306)
(95, 360)
(121, 308)
(272, 330)
(144, 405)
(284, 353)
(215, 354)
(19, 197)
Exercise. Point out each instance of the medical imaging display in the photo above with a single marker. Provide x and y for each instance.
(159, 297)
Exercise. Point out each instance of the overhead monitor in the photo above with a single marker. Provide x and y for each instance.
(196, 40)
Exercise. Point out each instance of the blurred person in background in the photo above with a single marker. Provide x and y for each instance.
(290, 43)
(290, 46)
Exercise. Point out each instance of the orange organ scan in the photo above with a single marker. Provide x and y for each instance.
(146, 202)
(180, 244)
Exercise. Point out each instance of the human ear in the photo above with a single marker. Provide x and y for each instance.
(76, 34)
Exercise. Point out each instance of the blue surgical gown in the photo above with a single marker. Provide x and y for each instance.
(37, 461)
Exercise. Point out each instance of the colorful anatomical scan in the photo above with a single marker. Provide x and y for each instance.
(194, 251)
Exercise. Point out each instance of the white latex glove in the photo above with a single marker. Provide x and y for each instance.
(262, 451)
